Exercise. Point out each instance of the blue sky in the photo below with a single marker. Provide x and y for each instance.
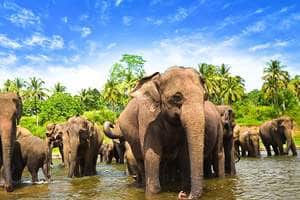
(76, 42)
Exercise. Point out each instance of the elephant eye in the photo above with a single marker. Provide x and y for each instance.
(177, 98)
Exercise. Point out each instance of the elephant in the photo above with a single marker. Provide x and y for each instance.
(277, 132)
(228, 121)
(81, 142)
(10, 114)
(119, 150)
(164, 121)
(213, 140)
(107, 153)
(246, 140)
(54, 134)
(33, 152)
(130, 160)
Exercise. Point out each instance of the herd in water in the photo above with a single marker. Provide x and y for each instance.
(169, 132)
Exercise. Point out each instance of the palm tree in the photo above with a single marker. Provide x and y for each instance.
(294, 86)
(58, 87)
(111, 94)
(7, 85)
(36, 92)
(275, 78)
(232, 90)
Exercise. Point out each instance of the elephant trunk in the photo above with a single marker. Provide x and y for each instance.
(113, 134)
(194, 126)
(73, 158)
(8, 138)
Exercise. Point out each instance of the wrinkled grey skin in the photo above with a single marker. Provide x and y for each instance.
(33, 152)
(10, 114)
(81, 142)
(246, 142)
(277, 132)
(227, 116)
(213, 149)
(163, 122)
(54, 133)
(132, 168)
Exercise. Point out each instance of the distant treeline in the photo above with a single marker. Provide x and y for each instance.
(279, 95)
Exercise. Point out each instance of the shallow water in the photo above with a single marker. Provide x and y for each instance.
(262, 178)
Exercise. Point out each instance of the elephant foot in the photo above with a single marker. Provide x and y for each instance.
(9, 187)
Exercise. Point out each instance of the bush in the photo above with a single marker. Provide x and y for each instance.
(100, 116)
(30, 124)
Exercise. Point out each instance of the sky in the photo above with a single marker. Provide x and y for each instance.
(76, 42)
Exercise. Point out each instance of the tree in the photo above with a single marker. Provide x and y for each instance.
(232, 89)
(275, 79)
(90, 98)
(122, 79)
(294, 86)
(15, 85)
(58, 87)
(37, 93)
(59, 107)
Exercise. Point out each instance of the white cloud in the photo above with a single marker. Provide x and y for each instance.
(258, 11)
(65, 19)
(83, 17)
(21, 17)
(85, 31)
(8, 43)
(257, 27)
(276, 43)
(180, 15)
(103, 7)
(37, 58)
(37, 39)
(118, 2)
(127, 20)
(7, 59)
(154, 21)
(111, 45)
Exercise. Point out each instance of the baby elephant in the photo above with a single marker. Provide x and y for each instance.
(30, 151)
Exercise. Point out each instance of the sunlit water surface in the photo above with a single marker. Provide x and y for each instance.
(262, 178)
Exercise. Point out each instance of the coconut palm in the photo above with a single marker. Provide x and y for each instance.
(58, 87)
(37, 93)
(232, 89)
(275, 78)
(294, 86)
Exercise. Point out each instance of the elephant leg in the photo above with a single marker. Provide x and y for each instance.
(34, 174)
(268, 148)
(152, 164)
(141, 173)
(275, 149)
(46, 171)
(293, 148)
(184, 166)
(281, 151)
(218, 162)
(61, 151)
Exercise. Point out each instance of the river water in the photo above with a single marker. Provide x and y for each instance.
(258, 178)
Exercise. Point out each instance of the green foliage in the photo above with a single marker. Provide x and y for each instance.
(30, 124)
(90, 98)
(59, 107)
(121, 81)
(223, 88)
(101, 115)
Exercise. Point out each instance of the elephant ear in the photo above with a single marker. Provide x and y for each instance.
(148, 86)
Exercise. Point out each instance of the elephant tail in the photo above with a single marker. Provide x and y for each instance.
(112, 131)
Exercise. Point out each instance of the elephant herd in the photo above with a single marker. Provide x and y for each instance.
(168, 132)
(275, 133)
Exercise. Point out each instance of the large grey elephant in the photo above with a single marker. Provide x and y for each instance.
(228, 121)
(81, 142)
(33, 152)
(277, 132)
(246, 141)
(10, 113)
(164, 121)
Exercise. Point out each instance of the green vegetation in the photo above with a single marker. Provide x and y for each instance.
(279, 95)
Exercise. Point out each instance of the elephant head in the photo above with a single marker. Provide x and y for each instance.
(284, 127)
(10, 113)
(54, 133)
(177, 96)
(254, 144)
(77, 136)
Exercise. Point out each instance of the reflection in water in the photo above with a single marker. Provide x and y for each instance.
(262, 178)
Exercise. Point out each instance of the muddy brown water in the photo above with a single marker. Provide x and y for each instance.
(261, 178)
